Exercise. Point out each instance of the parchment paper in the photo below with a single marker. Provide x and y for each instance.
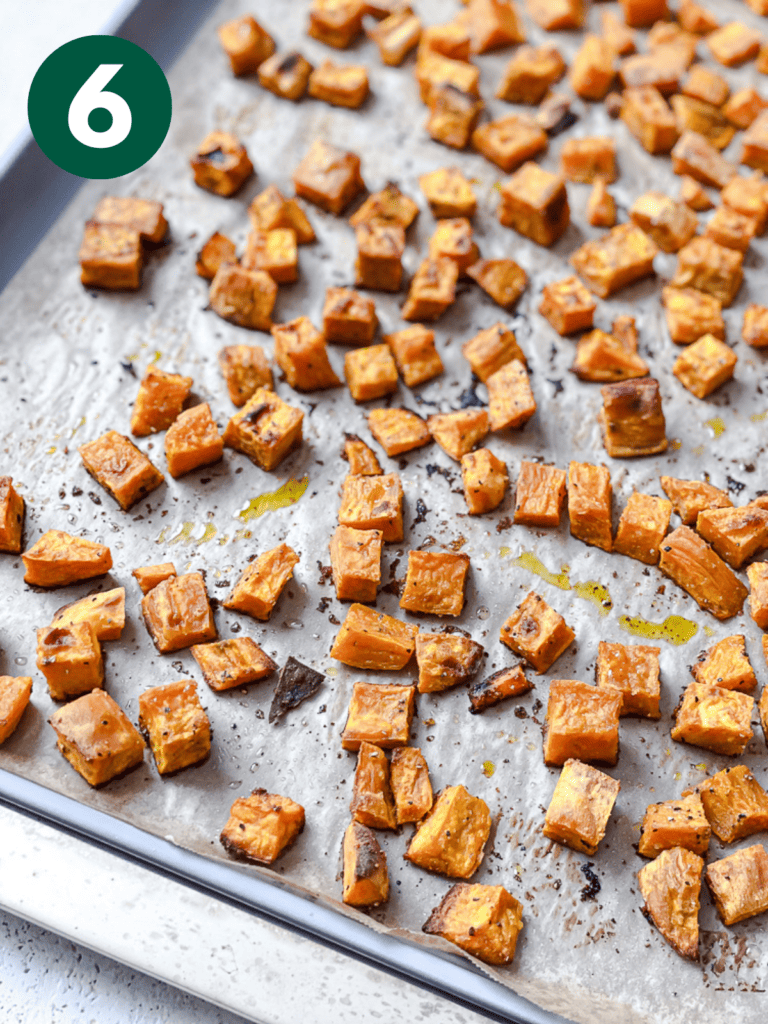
(71, 363)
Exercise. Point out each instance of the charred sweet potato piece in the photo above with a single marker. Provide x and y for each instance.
(366, 882)
(348, 317)
(432, 290)
(295, 684)
(285, 74)
(302, 355)
(593, 70)
(96, 737)
(567, 305)
(621, 257)
(177, 613)
(690, 314)
(508, 682)
(372, 803)
(580, 807)
(449, 193)
(193, 440)
(670, 223)
(266, 429)
(275, 252)
(483, 920)
(105, 612)
(14, 697)
(688, 560)
(336, 22)
(589, 504)
(675, 823)
(177, 727)
(757, 573)
(712, 717)
(600, 358)
(217, 250)
(530, 73)
(380, 246)
(245, 369)
(633, 670)
(149, 576)
(710, 267)
(257, 590)
(411, 788)
(670, 887)
(536, 632)
(726, 664)
(159, 401)
(69, 656)
(451, 839)
(540, 494)
(371, 640)
(243, 297)
(388, 206)
(261, 826)
(582, 722)
(58, 559)
(643, 524)
(356, 563)
(689, 497)
(510, 398)
(647, 115)
(373, 503)
(226, 664)
(246, 44)
(490, 349)
(739, 884)
(221, 164)
(735, 803)
(270, 210)
(735, 533)
(632, 419)
(328, 177)
(120, 467)
(379, 713)
(535, 203)
(445, 660)
(111, 256)
(370, 372)
(457, 433)
(398, 430)
(435, 582)
(485, 480)
(362, 459)
(504, 280)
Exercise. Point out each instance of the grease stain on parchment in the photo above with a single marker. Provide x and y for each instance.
(186, 535)
(674, 629)
(588, 590)
(288, 494)
(716, 425)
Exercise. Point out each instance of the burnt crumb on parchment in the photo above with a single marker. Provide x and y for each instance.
(591, 890)
(421, 512)
(295, 684)
(504, 524)
(326, 573)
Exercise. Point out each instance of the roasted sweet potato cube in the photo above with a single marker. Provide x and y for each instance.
(96, 737)
(457, 433)
(735, 803)
(285, 74)
(432, 289)
(142, 215)
(633, 670)
(177, 613)
(647, 115)
(120, 467)
(695, 115)
(371, 640)
(694, 18)
(540, 494)
(619, 258)
(445, 660)
(257, 590)
(582, 722)
(592, 70)
(600, 358)
(366, 882)
(601, 206)
(336, 22)
(510, 141)
(452, 239)
(11, 516)
(739, 884)
(712, 717)
(762, 704)
(435, 582)
(625, 331)
(261, 826)
(643, 524)
(690, 314)
(275, 252)
(246, 44)
(226, 664)
(670, 887)
(692, 154)
(415, 354)
(111, 256)
(448, 192)
(632, 419)
(105, 612)
(411, 788)
(193, 440)
(580, 807)
(221, 164)
(617, 34)
(743, 107)
(302, 355)
(675, 823)
(688, 560)
(14, 697)
(396, 35)
(243, 297)
(530, 73)
(589, 158)
(362, 459)
(567, 305)
(670, 223)
(510, 398)
(732, 229)
(436, 72)
(217, 250)
(704, 84)
(642, 13)
(398, 430)
(370, 372)
(492, 25)
(508, 682)
(504, 280)
(734, 43)
(485, 480)
(245, 369)
(450, 39)
(372, 803)
(348, 317)
(380, 246)
(341, 85)
(379, 713)
(149, 576)
(754, 150)
(557, 15)
(69, 656)
(534, 202)
(757, 573)
(709, 267)
(373, 503)
(58, 559)
(451, 839)
(750, 197)
(270, 210)
(662, 67)
(483, 920)
(266, 429)
(735, 533)
(175, 724)
(536, 632)
(589, 504)
(726, 664)
(388, 206)
(491, 349)
(356, 563)
(689, 497)
(705, 365)
(329, 177)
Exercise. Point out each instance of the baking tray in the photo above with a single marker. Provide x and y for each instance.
(35, 193)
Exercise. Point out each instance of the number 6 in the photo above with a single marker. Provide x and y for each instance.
(90, 97)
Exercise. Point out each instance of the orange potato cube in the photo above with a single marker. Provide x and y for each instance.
(617, 34)
(632, 419)
(275, 252)
(389, 206)
(193, 441)
(670, 223)
(510, 398)
(695, 18)
(142, 215)
(366, 882)
(451, 40)
(266, 429)
(690, 314)
(261, 826)
(662, 67)
(257, 590)
(486, 693)
(540, 494)
(726, 664)
(592, 70)
(379, 713)
(582, 722)
(580, 807)
(735, 803)
(750, 197)
(762, 704)
(491, 24)
(757, 573)
(69, 656)
(601, 206)
(445, 659)
(370, 372)
(743, 107)
(371, 640)
(336, 22)
(739, 884)
(711, 268)
(435, 582)
(105, 612)
(380, 246)
(642, 13)
(730, 228)
(589, 504)
(341, 85)
(372, 803)
(642, 527)
(245, 369)
(714, 718)
(14, 697)
(735, 533)
(734, 43)
(411, 788)
(646, 114)
(121, 468)
(535, 203)
(485, 481)
(362, 459)
(436, 72)
(510, 141)
(754, 150)
(227, 664)
(175, 724)
(709, 121)
(688, 560)
(329, 177)
(217, 250)
(452, 239)
(633, 670)
(624, 331)
(504, 280)
(348, 317)
(285, 74)
(221, 164)
(704, 84)
(670, 886)
(415, 354)
(567, 305)
(270, 210)
(149, 576)
(705, 365)
(457, 433)
(491, 349)
(398, 430)
(243, 297)
(448, 192)
(432, 290)
(557, 15)
(246, 44)
(111, 256)
(11, 516)
(58, 559)
(396, 35)
(600, 357)
(302, 355)
(530, 73)
(451, 838)
(587, 159)
(373, 503)
(675, 823)
(356, 563)
(177, 613)
(453, 115)
(622, 256)
(537, 633)
(692, 154)
(96, 737)
(483, 920)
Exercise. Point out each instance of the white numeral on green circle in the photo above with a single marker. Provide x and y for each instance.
(89, 97)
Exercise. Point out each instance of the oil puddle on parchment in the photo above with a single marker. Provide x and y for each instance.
(674, 629)
(288, 494)
(589, 590)
(186, 534)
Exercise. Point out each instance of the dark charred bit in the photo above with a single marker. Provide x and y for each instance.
(432, 468)
(257, 412)
(735, 485)
(470, 396)
(421, 512)
(613, 104)
(504, 524)
(333, 620)
(326, 573)
(557, 385)
(295, 684)
(508, 682)
(215, 156)
(289, 62)
(590, 891)
(323, 606)
(94, 497)
(555, 114)
(128, 367)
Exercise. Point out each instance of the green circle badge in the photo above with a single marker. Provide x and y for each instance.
(99, 107)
